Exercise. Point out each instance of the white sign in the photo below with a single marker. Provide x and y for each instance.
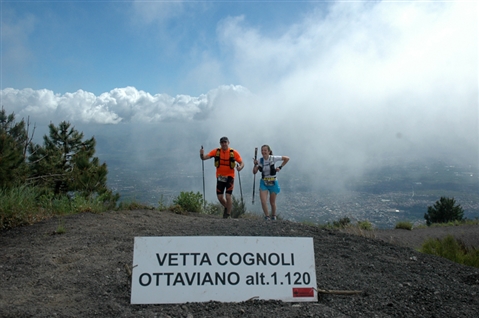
(222, 268)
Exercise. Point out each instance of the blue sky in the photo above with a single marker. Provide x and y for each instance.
(155, 46)
(342, 80)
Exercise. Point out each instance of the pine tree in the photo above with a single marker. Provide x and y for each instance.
(65, 163)
(445, 210)
(13, 145)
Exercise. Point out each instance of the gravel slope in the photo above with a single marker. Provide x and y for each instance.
(82, 273)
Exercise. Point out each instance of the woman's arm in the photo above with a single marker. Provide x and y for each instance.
(285, 160)
(255, 167)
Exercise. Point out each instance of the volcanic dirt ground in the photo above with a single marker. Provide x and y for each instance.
(85, 272)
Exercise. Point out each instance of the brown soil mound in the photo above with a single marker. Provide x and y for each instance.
(82, 273)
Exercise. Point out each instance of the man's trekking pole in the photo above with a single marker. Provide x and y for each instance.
(254, 176)
(203, 166)
(241, 192)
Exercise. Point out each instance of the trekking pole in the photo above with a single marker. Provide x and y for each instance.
(241, 192)
(254, 176)
(203, 166)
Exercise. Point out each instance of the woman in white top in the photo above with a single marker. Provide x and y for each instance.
(269, 183)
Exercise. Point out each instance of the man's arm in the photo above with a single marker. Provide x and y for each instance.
(203, 156)
(240, 166)
(240, 162)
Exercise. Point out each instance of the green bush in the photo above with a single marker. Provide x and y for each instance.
(189, 201)
(404, 225)
(452, 249)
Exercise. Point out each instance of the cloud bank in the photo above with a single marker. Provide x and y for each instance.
(119, 105)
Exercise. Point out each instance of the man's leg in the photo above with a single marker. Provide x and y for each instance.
(229, 191)
(222, 200)
(220, 189)
(229, 204)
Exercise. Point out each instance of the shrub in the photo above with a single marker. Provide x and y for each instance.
(452, 249)
(176, 208)
(27, 205)
(163, 203)
(133, 205)
(404, 225)
(61, 227)
(342, 223)
(365, 225)
(443, 211)
(238, 208)
(189, 201)
(18, 206)
(214, 209)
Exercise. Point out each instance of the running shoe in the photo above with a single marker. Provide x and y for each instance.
(273, 217)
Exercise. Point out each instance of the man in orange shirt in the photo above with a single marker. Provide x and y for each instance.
(226, 159)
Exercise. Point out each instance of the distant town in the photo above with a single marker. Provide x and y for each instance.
(383, 197)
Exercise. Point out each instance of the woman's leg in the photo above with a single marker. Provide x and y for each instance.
(263, 194)
(272, 201)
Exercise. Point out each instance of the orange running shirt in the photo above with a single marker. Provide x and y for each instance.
(224, 169)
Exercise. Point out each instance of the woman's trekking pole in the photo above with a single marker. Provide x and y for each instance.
(241, 192)
(254, 176)
(203, 166)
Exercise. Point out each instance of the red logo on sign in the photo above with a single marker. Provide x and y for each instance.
(303, 292)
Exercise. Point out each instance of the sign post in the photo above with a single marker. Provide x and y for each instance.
(222, 268)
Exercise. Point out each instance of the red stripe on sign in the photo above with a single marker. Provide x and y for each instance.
(303, 292)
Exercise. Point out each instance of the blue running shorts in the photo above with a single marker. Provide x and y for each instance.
(273, 188)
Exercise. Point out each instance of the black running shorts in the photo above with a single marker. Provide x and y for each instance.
(222, 186)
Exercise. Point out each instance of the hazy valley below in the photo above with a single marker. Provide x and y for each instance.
(384, 196)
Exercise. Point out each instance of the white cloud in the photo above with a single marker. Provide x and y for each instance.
(341, 87)
(359, 45)
(119, 105)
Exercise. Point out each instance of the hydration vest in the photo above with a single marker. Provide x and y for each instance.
(232, 158)
(272, 170)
